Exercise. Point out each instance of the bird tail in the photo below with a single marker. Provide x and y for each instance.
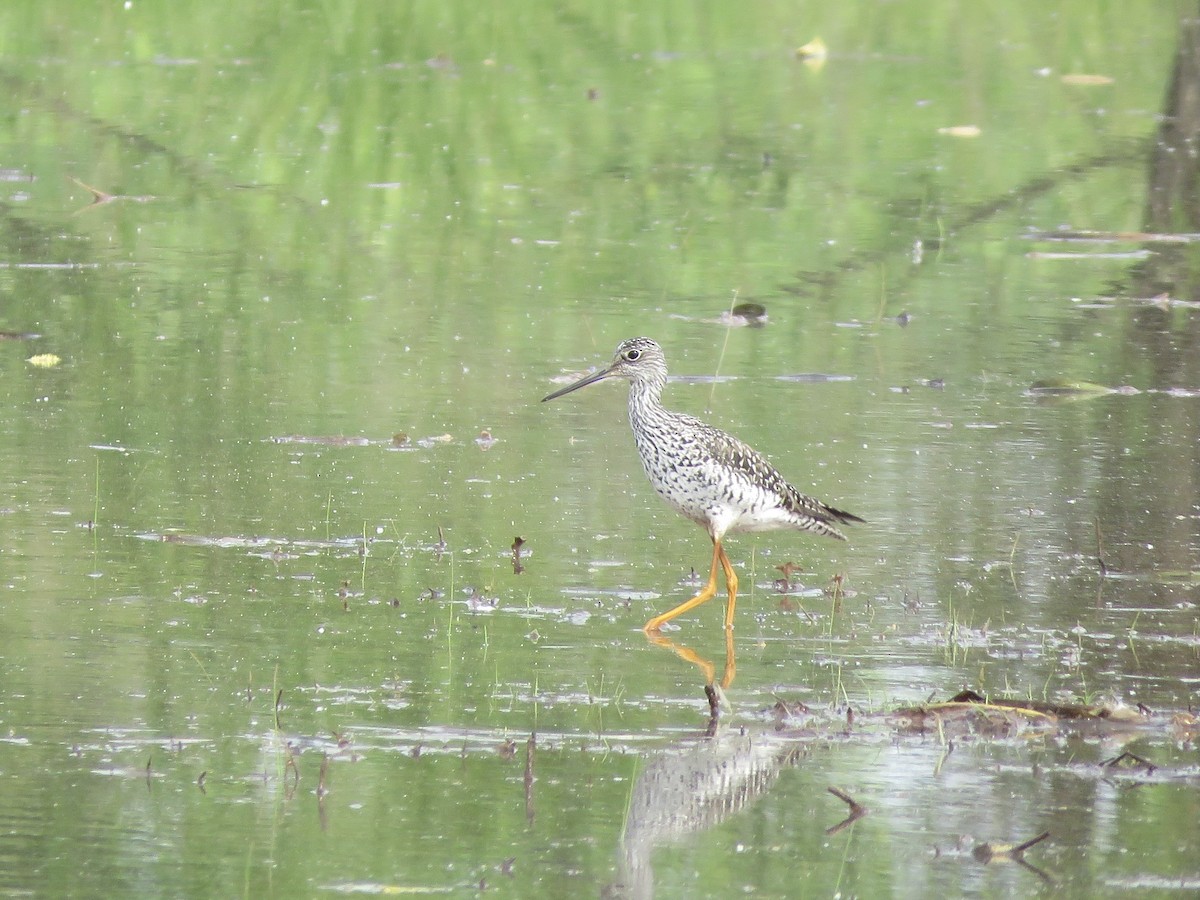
(840, 515)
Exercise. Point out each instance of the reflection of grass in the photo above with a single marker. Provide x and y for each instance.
(597, 701)
(956, 651)
(499, 689)
(597, 707)
(836, 606)
(1012, 554)
(837, 889)
(951, 645)
(450, 622)
(283, 756)
(1046, 687)
(1131, 633)
(365, 551)
(840, 694)
(96, 521)
(96, 499)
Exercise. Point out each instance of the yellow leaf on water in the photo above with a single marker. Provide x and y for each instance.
(962, 131)
(813, 54)
(814, 49)
(44, 360)
(1087, 80)
(1071, 389)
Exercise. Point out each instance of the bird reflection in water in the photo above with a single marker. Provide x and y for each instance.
(713, 689)
(691, 788)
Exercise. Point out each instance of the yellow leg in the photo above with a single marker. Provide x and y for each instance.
(685, 653)
(731, 583)
(730, 660)
(703, 597)
(717, 700)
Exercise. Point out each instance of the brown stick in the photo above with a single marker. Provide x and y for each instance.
(857, 810)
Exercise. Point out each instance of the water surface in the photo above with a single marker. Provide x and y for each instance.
(306, 275)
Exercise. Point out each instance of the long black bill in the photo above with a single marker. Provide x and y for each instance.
(582, 382)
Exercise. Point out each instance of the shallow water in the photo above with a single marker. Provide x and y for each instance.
(265, 632)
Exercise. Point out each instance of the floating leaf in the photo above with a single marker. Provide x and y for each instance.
(1066, 386)
(1176, 576)
(1070, 389)
(45, 360)
(814, 49)
(1087, 80)
(749, 313)
(1131, 254)
(961, 131)
(1113, 237)
(813, 54)
(321, 440)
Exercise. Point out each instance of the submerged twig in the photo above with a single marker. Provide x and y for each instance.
(995, 853)
(1131, 761)
(987, 852)
(517, 544)
(295, 770)
(857, 810)
(530, 746)
(322, 788)
(837, 592)
(1012, 555)
(99, 197)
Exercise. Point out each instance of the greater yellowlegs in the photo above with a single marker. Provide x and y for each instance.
(712, 478)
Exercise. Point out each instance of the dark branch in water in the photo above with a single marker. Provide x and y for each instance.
(530, 746)
(1100, 549)
(857, 810)
(517, 544)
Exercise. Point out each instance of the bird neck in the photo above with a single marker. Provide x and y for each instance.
(645, 402)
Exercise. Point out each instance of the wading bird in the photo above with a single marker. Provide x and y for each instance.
(708, 476)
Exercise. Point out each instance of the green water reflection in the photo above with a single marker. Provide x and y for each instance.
(251, 526)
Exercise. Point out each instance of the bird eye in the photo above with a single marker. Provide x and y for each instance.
(633, 355)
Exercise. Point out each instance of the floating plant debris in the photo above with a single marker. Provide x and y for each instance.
(752, 314)
(248, 543)
(398, 441)
(1131, 254)
(1082, 79)
(1069, 387)
(100, 197)
(322, 440)
(970, 705)
(517, 544)
(1115, 237)
(961, 131)
(814, 378)
(857, 810)
(814, 54)
(814, 49)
